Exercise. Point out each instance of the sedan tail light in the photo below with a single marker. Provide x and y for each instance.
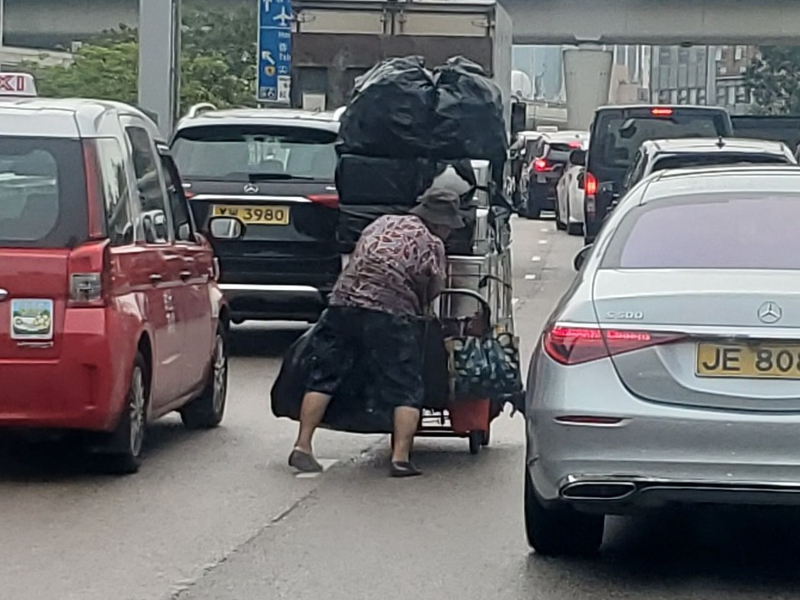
(540, 165)
(577, 345)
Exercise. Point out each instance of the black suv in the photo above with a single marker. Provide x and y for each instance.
(274, 170)
(617, 133)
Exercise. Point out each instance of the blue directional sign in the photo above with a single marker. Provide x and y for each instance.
(275, 51)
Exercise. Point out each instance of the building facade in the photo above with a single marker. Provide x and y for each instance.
(706, 75)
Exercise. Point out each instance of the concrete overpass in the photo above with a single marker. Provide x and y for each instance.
(579, 22)
(715, 22)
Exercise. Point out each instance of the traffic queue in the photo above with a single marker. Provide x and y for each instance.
(126, 257)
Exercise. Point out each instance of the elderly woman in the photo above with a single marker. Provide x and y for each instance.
(396, 271)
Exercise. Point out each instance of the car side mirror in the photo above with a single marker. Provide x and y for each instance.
(581, 257)
(578, 158)
(225, 228)
(185, 233)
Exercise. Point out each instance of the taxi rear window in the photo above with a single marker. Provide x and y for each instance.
(42, 193)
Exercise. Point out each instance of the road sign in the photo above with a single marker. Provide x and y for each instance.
(275, 51)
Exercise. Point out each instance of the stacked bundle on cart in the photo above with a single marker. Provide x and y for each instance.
(406, 127)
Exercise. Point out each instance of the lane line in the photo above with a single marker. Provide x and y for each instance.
(542, 241)
(530, 277)
(536, 258)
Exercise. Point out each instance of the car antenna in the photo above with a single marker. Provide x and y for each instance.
(720, 143)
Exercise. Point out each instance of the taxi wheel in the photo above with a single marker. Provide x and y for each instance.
(125, 451)
(206, 411)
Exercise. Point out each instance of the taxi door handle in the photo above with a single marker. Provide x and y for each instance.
(156, 278)
(186, 275)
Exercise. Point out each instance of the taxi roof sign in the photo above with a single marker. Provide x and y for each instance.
(18, 85)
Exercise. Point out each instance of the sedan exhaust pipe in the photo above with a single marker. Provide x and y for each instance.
(598, 490)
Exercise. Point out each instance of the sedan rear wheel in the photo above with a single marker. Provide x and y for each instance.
(560, 530)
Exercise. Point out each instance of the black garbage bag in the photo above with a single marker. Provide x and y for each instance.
(353, 220)
(350, 410)
(391, 111)
(469, 119)
(369, 180)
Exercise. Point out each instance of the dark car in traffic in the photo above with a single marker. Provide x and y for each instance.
(273, 170)
(542, 172)
(617, 133)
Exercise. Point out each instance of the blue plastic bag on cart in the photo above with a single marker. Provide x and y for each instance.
(486, 367)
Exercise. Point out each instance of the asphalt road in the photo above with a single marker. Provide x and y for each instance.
(219, 516)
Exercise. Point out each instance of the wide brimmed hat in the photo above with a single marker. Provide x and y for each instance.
(439, 207)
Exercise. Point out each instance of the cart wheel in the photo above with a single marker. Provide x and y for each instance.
(475, 441)
(487, 438)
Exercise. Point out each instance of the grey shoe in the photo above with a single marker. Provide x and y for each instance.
(304, 462)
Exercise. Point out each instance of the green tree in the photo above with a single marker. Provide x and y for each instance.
(774, 80)
(217, 62)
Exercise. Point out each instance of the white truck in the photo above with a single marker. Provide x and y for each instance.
(335, 41)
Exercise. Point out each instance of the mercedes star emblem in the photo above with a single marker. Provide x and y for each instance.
(770, 313)
(3, 294)
(251, 188)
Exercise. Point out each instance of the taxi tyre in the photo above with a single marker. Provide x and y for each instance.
(123, 455)
(558, 530)
(208, 409)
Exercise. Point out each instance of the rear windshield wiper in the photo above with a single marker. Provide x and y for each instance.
(275, 177)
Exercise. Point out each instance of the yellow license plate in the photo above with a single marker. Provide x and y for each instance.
(255, 215)
(760, 361)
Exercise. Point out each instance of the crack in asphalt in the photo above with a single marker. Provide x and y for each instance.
(180, 589)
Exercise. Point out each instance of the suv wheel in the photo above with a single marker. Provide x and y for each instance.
(206, 411)
(560, 530)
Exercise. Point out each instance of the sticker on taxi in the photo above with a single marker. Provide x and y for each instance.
(31, 319)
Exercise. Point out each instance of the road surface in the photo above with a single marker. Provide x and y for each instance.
(219, 516)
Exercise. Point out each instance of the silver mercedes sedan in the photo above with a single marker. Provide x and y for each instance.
(670, 370)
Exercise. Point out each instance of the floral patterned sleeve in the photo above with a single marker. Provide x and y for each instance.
(434, 270)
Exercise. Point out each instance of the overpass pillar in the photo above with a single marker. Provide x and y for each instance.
(587, 81)
(159, 60)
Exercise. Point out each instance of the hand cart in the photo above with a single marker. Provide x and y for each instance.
(464, 418)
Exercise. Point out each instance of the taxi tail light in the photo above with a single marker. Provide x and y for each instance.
(94, 190)
(577, 345)
(327, 200)
(89, 281)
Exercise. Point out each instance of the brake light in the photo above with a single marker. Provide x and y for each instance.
(540, 165)
(577, 345)
(662, 112)
(94, 191)
(89, 278)
(574, 144)
(590, 184)
(327, 200)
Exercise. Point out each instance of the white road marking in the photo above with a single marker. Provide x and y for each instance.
(514, 301)
(326, 463)
(544, 229)
(530, 277)
(542, 241)
(536, 258)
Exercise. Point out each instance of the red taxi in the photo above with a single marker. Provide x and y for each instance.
(110, 314)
